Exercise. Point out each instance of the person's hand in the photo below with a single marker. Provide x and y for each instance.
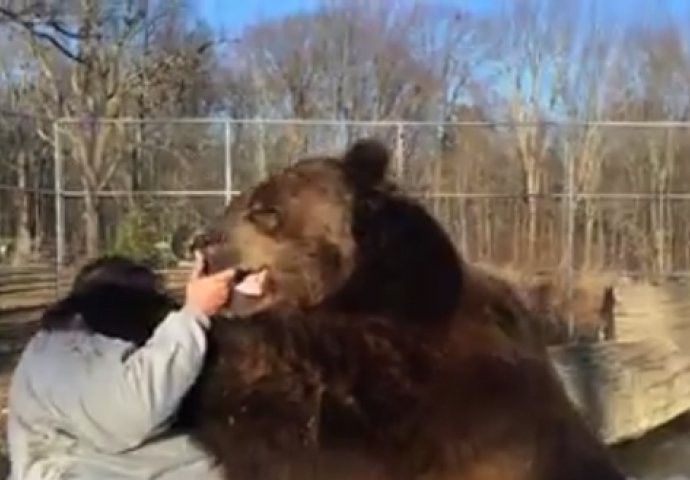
(208, 293)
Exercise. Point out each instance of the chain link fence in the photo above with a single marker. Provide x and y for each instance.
(27, 193)
(606, 196)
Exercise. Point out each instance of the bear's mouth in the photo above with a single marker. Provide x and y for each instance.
(252, 285)
(253, 291)
(251, 282)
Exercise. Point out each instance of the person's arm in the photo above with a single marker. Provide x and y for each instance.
(136, 398)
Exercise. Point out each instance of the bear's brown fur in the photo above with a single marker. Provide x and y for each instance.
(375, 353)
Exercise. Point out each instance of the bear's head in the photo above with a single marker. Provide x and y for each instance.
(334, 233)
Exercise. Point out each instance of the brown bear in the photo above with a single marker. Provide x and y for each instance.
(373, 351)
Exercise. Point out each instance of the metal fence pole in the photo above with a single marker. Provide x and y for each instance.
(59, 204)
(228, 162)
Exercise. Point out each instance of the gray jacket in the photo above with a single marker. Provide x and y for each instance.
(85, 406)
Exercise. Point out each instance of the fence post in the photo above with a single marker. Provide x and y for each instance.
(228, 162)
(400, 150)
(570, 236)
(59, 205)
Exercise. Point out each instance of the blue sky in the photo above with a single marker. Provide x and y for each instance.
(233, 15)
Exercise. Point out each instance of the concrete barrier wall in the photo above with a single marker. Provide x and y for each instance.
(625, 389)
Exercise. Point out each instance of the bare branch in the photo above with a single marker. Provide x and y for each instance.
(33, 28)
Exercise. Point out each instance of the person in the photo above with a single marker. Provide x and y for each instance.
(96, 390)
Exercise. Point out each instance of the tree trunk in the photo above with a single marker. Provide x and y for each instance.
(658, 235)
(518, 236)
(91, 224)
(22, 239)
(487, 235)
(669, 236)
(39, 205)
(686, 245)
(464, 246)
(588, 235)
(598, 242)
(532, 228)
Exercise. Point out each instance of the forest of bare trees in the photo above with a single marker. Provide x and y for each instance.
(516, 72)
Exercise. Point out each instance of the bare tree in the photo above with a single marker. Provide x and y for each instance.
(587, 86)
(532, 40)
(85, 70)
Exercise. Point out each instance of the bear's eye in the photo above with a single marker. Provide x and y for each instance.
(266, 218)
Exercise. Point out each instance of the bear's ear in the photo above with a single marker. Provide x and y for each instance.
(365, 164)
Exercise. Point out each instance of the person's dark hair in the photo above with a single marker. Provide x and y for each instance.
(113, 296)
